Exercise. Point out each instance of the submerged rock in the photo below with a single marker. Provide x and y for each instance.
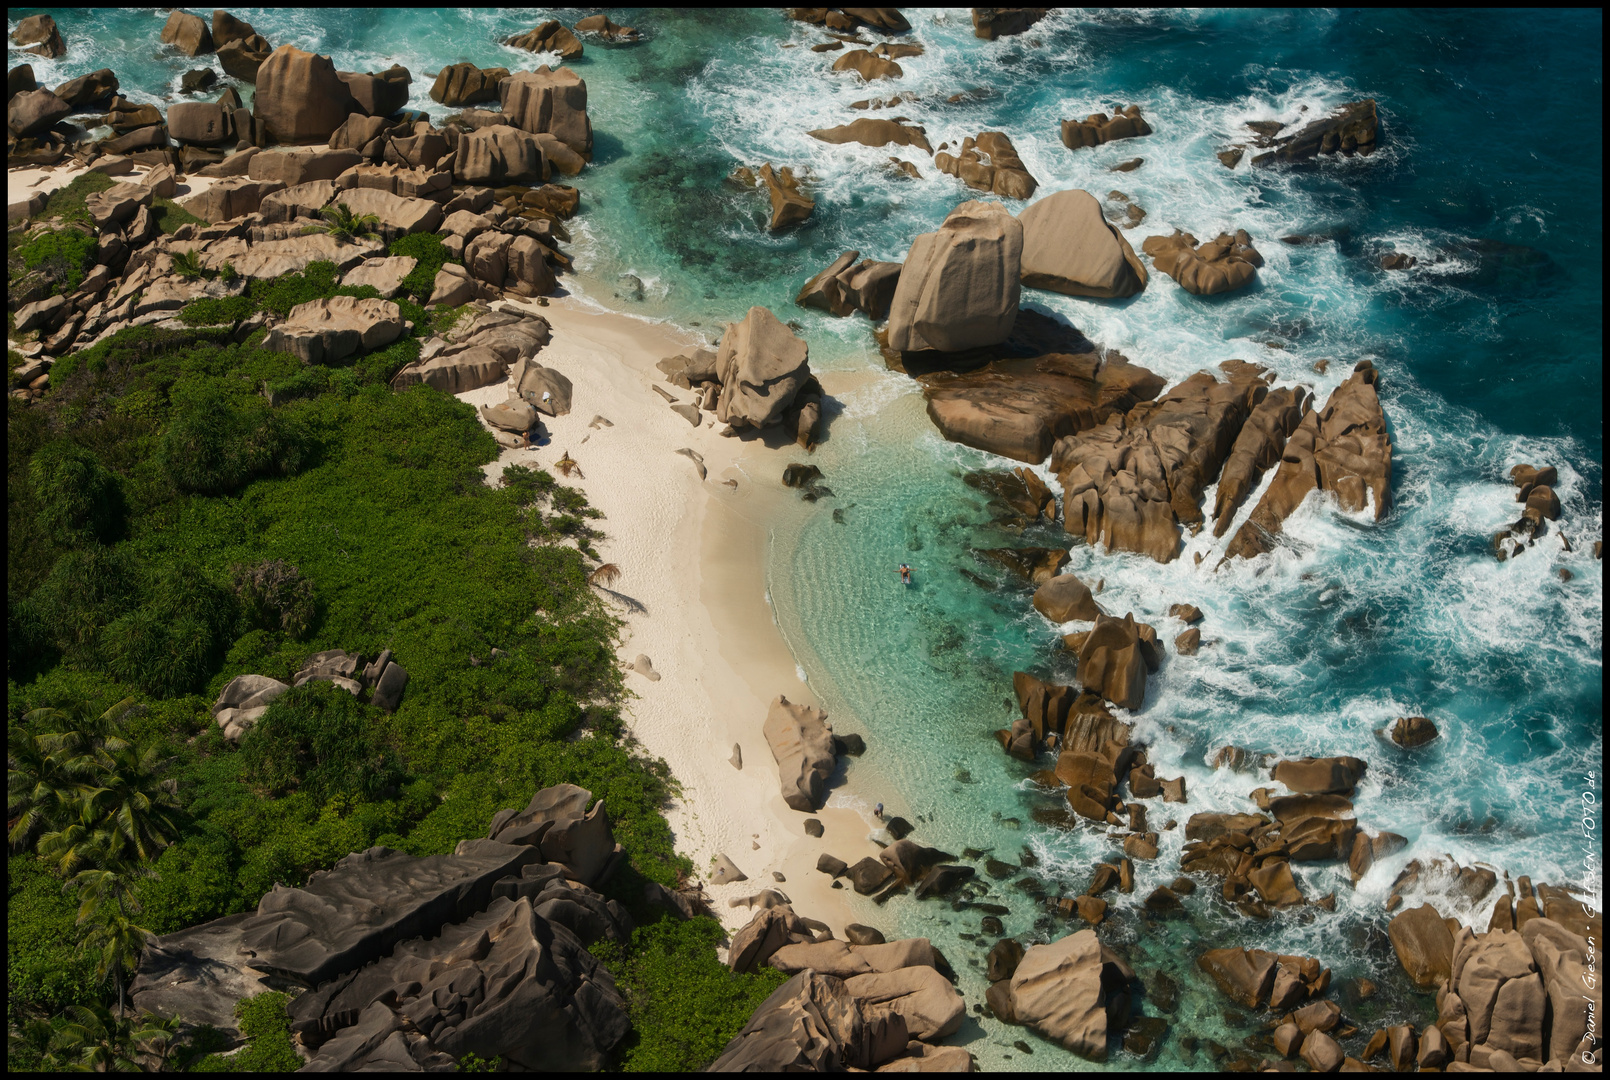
(1099, 128)
(1350, 130)
(1221, 265)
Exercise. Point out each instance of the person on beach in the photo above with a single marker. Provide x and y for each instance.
(877, 811)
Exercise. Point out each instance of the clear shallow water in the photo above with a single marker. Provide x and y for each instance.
(1491, 357)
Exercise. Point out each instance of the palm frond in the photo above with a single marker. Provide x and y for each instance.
(607, 574)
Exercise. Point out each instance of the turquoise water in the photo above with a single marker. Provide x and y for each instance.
(1489, 357)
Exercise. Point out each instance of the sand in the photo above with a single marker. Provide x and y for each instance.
(692, 595)
(22, 183)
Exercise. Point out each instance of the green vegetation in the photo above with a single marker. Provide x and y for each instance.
(684, 1003)
(171, 217)
(68, 202)
(341, 223)
(171, 526)
(65, 254)
(432, 256)
(267, 1028)
(209, 311)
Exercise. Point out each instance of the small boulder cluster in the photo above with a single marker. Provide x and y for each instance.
(758, 377)
(246, 698)
(862, 1004)
(1534, 487)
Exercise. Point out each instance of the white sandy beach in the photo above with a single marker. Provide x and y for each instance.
(691, 555)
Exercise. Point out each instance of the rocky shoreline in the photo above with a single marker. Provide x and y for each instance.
(1133, 460)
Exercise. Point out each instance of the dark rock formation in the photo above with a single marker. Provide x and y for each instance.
(1350, 130)
(504, 983)
(1412, 731)
(466, 84)
(1257, 449)
(872, 132)
(992, 23)
(550, 36)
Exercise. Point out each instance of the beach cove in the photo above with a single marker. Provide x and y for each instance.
(1440, 276)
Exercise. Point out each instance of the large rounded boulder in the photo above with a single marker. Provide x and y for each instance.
(1068, 247)
(300, 98)
(960, 285)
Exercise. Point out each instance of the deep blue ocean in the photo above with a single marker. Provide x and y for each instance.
(1490, 352)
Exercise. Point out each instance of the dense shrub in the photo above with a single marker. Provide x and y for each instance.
(428, 249)
(66, 254)
(214, 445)
(267, 1028)
(86, 590)
(210, 311)
(169, 645)
(42, 964)
(275, 596)
(319, 739)
(685, 1004)
(78, 500)
(283, 293)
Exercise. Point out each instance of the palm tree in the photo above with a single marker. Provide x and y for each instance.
(158, 1040)
(77, 729)
(136, 797)
(104, 1043)
(44, 785)
(344, 225)
(115, 939)
(567, 465)
(31, 1043)
(88, 839)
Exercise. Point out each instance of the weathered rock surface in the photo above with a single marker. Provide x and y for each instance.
(466, 84)
(1114, 661)
(868, 65)
(762, 367)
(1019, 408)
(385, 275)
(1350, 130)
(478, 351)
(323, 331)
(38, 34)
(549, 102)
(1257, 449)
(1413, 731)
(499, 155)
(789, 205)
(992, 23)
(959, 286)
(846, 286)
(873, 132)
(809, 1024)
(33, 111)
(1099, 128)
(1221, 265)
(505, 982)
(300, 98)
(1065, 598)
(557, 821)
(1343, 448)
(989, 163)
(1067, 991)
(1069, 247)
(802, 742)
(1132, 481)
(1423, 943)
(550, 36)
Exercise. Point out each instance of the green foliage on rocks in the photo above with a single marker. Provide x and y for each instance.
(685, 1004)
(67, 254)
(170, 528)
(267, 1028)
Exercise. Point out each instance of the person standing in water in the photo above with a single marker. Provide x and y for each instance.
(877, 812)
